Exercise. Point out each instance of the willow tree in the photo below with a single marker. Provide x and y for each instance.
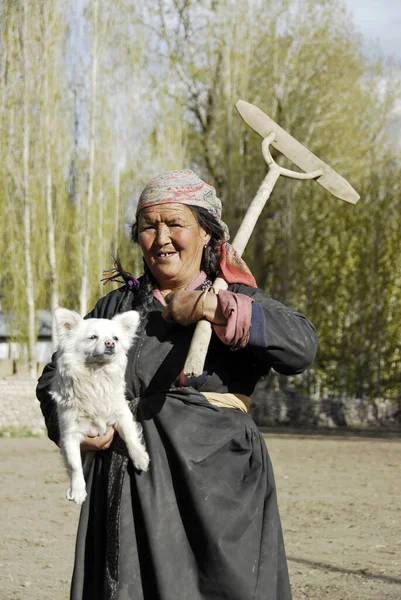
(17, 91)
(304, 65)
(122, 92)
(119, 132)
(26, 192)
(53, 148)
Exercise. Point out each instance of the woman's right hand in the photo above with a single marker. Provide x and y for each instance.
(94, 442)
(188, 307)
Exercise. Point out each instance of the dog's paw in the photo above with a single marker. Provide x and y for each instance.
(76, 495)
(141, 460)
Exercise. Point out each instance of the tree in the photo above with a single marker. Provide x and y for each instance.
(116, 93)
(303, 65)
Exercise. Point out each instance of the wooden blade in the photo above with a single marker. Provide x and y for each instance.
(296, 152)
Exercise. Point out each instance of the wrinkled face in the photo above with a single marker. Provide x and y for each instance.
(172, 242)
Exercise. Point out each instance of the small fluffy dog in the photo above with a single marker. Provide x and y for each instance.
(89, 388)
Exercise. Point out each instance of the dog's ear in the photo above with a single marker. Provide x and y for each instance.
(128, 321)
(66, 320)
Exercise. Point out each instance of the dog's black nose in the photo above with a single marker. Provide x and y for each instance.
(109, 344)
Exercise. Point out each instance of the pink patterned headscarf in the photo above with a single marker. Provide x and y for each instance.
(182, 187)
(185, 187)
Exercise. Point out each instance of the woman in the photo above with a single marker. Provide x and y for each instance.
(202, 523)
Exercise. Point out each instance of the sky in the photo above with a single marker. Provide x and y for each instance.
(379, 21)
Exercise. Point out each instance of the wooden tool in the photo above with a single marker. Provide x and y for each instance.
(313, 168)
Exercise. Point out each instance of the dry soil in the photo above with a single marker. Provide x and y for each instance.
(339, 497)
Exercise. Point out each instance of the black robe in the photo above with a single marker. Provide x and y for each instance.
(203, 522)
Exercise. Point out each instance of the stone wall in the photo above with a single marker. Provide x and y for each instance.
(20, 410)
(276, 407)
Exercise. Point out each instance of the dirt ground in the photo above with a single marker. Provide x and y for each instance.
(340, 502)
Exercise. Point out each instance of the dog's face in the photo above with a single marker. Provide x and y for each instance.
(95, 340)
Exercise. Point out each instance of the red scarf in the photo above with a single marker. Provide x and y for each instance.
(233, 268)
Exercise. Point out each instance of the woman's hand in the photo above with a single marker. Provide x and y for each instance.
(187, 308)
(94, 441)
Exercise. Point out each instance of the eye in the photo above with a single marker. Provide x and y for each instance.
(115, 338)
(93, 337)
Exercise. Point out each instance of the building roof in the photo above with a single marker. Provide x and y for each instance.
(43, 324)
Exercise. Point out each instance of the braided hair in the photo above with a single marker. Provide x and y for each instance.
(210, 256)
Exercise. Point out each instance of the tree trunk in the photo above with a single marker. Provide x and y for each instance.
(29, 288)
(87, 209)
(116, 223)
(48, 172)
(100, 236)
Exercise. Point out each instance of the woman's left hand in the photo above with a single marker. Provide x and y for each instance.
(94, 441)
(189, 307)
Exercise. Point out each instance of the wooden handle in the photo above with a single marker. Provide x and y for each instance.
(200, 341)
(203, 332)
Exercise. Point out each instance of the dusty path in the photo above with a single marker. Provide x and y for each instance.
(340, 502)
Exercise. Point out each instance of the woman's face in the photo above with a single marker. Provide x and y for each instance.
(172, 242)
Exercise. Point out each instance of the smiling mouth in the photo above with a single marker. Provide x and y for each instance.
(165, 254)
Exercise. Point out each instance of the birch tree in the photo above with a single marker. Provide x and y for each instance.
(87, 207)
(30, 290)
(54, 283)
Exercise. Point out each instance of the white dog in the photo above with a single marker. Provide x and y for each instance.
(89, 388)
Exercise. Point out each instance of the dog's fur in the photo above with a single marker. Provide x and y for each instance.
(89, 388)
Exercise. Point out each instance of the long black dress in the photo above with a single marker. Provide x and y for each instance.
(202, 523)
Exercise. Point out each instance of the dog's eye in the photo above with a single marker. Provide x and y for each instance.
(115, 338)
(92, 337)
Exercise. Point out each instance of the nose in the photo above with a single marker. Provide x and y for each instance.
(162, 234)
(109, 344)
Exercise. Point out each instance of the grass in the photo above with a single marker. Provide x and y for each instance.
(20, 432)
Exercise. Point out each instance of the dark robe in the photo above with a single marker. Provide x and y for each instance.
(203, 522)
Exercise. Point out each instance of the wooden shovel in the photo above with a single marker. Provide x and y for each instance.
(313, 168)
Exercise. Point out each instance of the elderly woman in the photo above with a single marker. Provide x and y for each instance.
(202, 523)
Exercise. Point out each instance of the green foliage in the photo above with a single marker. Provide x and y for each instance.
(303, 64)
(167, 79)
